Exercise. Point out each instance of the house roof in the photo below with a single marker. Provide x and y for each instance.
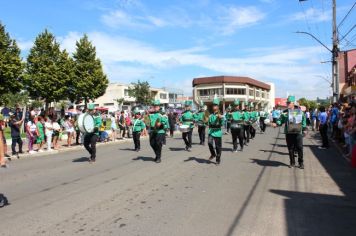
(230, 79)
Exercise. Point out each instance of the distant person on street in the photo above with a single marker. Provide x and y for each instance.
(323, 128)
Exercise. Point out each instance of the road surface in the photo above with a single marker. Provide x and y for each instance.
(126, 193)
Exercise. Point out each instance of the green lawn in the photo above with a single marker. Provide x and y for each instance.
(8, 134)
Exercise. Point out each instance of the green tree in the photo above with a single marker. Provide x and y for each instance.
(11, 66)
(141, 92)
(89, 82)
(48, 70)
(12, 99)
(303, 102)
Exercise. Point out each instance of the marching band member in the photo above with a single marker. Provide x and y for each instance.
(247, 124)
(166, 123)
(201, 121)
(263, 116)
(187, 118)
(90, 139)
(237, 129)
(295, 126)
(157, 131)
(137, 128)
(253, 118)
(216, 120)
(228, 119)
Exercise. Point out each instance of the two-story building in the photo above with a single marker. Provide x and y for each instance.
(229, 88)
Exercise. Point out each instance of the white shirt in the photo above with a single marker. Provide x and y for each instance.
(49, 127)
(32, 126)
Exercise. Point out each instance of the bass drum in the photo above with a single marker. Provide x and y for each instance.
(267, 121)
(184, 128)
(86, 123)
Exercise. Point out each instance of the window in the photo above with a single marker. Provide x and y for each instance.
(235, 91)
(203, 92)
(258, 94)
(263, 94)
(251, 92)
(210, 92)
(126, 92)
(163, 96)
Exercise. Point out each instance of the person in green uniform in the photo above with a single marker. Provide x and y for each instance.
(253, 118)
(157, 131)
(137, 128)
(187, 118)
(216, 121)
(263, 116)
(237, 129)
(228, 119)
(166, 123)
(294, 128)
(201, 121)
(90, 139)
(247, 123)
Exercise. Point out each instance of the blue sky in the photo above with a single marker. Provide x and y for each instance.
(171, 42)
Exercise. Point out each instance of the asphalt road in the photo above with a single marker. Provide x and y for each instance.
(126, 193)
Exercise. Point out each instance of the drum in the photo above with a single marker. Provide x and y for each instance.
(236, 125)
(184, 128)
(267, 121)
(294, 128)
(255, 125)
(86, 123)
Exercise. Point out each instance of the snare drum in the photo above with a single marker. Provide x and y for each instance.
(255, 125)
(184, 128)
(236, 125)
(86, 123)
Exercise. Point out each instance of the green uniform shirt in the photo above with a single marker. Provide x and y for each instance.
(97, 123)
(199, 118)
(187, 118)
(165, 122)
(283, 119)
(254, 115)
(263, 114)
(215, 126)
(237, 116)
(247, 116)
(157, 117)
(138, 125)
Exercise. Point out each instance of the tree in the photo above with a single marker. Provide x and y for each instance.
(89, 82)
(11, 66)
(141, 92)
(12, 99)
(303, 102)
(48, 70)
(120, 101)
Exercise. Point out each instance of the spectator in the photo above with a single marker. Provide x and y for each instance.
(323, 128)
(275, 115)
(2, 145)
(314, 117)
(77, 131)
(307, 116)
(172, 119)
(49, 132)
(56, 131)
(69, 129)
(128, 124)
(15, 126)
(122, 124)
(113, 127)
(334, 114)
(40, 133)
(2, 133)
(6, 114)
(31, 134)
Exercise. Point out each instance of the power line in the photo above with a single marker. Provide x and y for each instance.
(352, 28)
(348, 13)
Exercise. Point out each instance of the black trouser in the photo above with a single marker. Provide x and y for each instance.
(252, 132)
(123, 129)
(295, 143)
(77, 136)
(247, 133)
(262, 124)
(136, 138)
(237, 133)
(323, 129)
(217, 141)
(90, 144)
(187, 137)
(171, 129)
(201, 131)
(156, 142)
(228, 126)
(15, 140)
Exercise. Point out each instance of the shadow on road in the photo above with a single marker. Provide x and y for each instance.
(127, 149)
(268, 163)
(81, 159)
(323, 214)
(199, 160)
(144, 159)
(276, 152)
(173, 149)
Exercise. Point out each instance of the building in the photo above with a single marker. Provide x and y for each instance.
(175, 97)
(229, 88)
(347, 74)
(117, 97)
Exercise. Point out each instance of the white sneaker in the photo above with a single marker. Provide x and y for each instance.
(50, 150)
(40, 150)
(31, 152)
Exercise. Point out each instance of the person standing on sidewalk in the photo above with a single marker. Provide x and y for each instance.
(2, 134)
(31, 134)
(323, 128)
(40, 133)
(216, 121)
(15, 126)
(295, 125)
(49, 132)
(137, 129)
(2, 145)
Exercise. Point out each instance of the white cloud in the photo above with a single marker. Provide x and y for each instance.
(312, 15)
(126, 59)
(235, 18)
(25, 45)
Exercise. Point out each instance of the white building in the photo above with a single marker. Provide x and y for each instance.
(116, 91)
(229, 88)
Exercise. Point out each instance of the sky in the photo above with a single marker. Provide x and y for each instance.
(170, 42)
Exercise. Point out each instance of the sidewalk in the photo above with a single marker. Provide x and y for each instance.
(62, 147)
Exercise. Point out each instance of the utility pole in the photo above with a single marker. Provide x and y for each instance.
(335, 52)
